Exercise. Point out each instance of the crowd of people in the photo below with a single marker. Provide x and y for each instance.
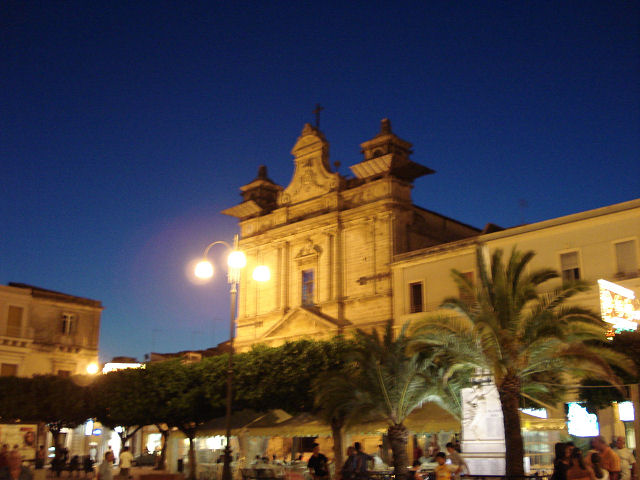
(601, 462)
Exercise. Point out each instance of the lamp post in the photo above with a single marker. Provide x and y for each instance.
(236, 261)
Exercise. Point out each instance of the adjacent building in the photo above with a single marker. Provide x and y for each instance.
(47, 332)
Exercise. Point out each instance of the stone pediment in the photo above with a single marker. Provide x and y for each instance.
(312, 176)
(302, 322)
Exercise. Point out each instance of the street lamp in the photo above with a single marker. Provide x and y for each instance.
(236, 261)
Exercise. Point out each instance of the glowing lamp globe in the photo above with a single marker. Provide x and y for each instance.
(237, 259)
(204, 269)
(92, 368)
(261, 273)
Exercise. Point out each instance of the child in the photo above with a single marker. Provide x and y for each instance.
(442, 470)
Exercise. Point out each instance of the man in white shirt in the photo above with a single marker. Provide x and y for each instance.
(125, 462)
(627, 461)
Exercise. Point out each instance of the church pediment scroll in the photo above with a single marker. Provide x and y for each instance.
(312, 176)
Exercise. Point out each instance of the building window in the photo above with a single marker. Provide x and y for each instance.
(8, 370)
(569, 266)
(465, 296)
(415, 298)
(307, 287)
(626, 260)
(68, 323)
(14, 321)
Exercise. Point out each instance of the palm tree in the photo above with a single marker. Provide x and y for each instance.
(520, 336)
(383, 380)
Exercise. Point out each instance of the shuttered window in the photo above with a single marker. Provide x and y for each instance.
(569, 266)
(8, 370)
(14, 321)
(626, 260)
(415, 298)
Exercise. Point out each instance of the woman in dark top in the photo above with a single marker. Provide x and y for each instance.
(561, 462)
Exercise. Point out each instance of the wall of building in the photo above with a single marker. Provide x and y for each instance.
(56, 334)
(593, 235)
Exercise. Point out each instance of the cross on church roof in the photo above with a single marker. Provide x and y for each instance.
(317, 111)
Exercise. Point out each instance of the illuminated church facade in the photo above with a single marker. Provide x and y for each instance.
(329, 241)
(348, 253)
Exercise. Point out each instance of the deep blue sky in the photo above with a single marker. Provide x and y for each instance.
(125, 127)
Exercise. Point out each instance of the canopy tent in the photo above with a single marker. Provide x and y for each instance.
(302, 425)
(278, 423)
(218, 426)
(429, 418)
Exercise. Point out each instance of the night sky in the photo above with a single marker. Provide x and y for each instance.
(126, 126)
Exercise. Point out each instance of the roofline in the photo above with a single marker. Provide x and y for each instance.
(531, 227)
(40, 292)
(447, 218)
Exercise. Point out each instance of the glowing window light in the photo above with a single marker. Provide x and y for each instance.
(625, 411)
(581, 423)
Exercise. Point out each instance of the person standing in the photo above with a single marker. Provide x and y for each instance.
(610, 459)
(87, 466)
(442, 471)
(41, 457)
(361, 461)
(561, 462)
(318, 464)
(4, 456)
(14, 470)
(627, 460)
(349, 468)
(577, 469)
(457, 459)
(125, 462)
(599, 472)
(105, 470)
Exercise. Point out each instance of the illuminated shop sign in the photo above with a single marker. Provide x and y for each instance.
(619, 307)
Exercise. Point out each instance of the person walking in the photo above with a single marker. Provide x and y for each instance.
(125, 463)
(456, 459)
(317, 464)
(105, 470)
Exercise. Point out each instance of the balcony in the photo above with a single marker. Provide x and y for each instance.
(15, 341)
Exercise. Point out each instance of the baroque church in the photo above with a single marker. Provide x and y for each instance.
(329, 240)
